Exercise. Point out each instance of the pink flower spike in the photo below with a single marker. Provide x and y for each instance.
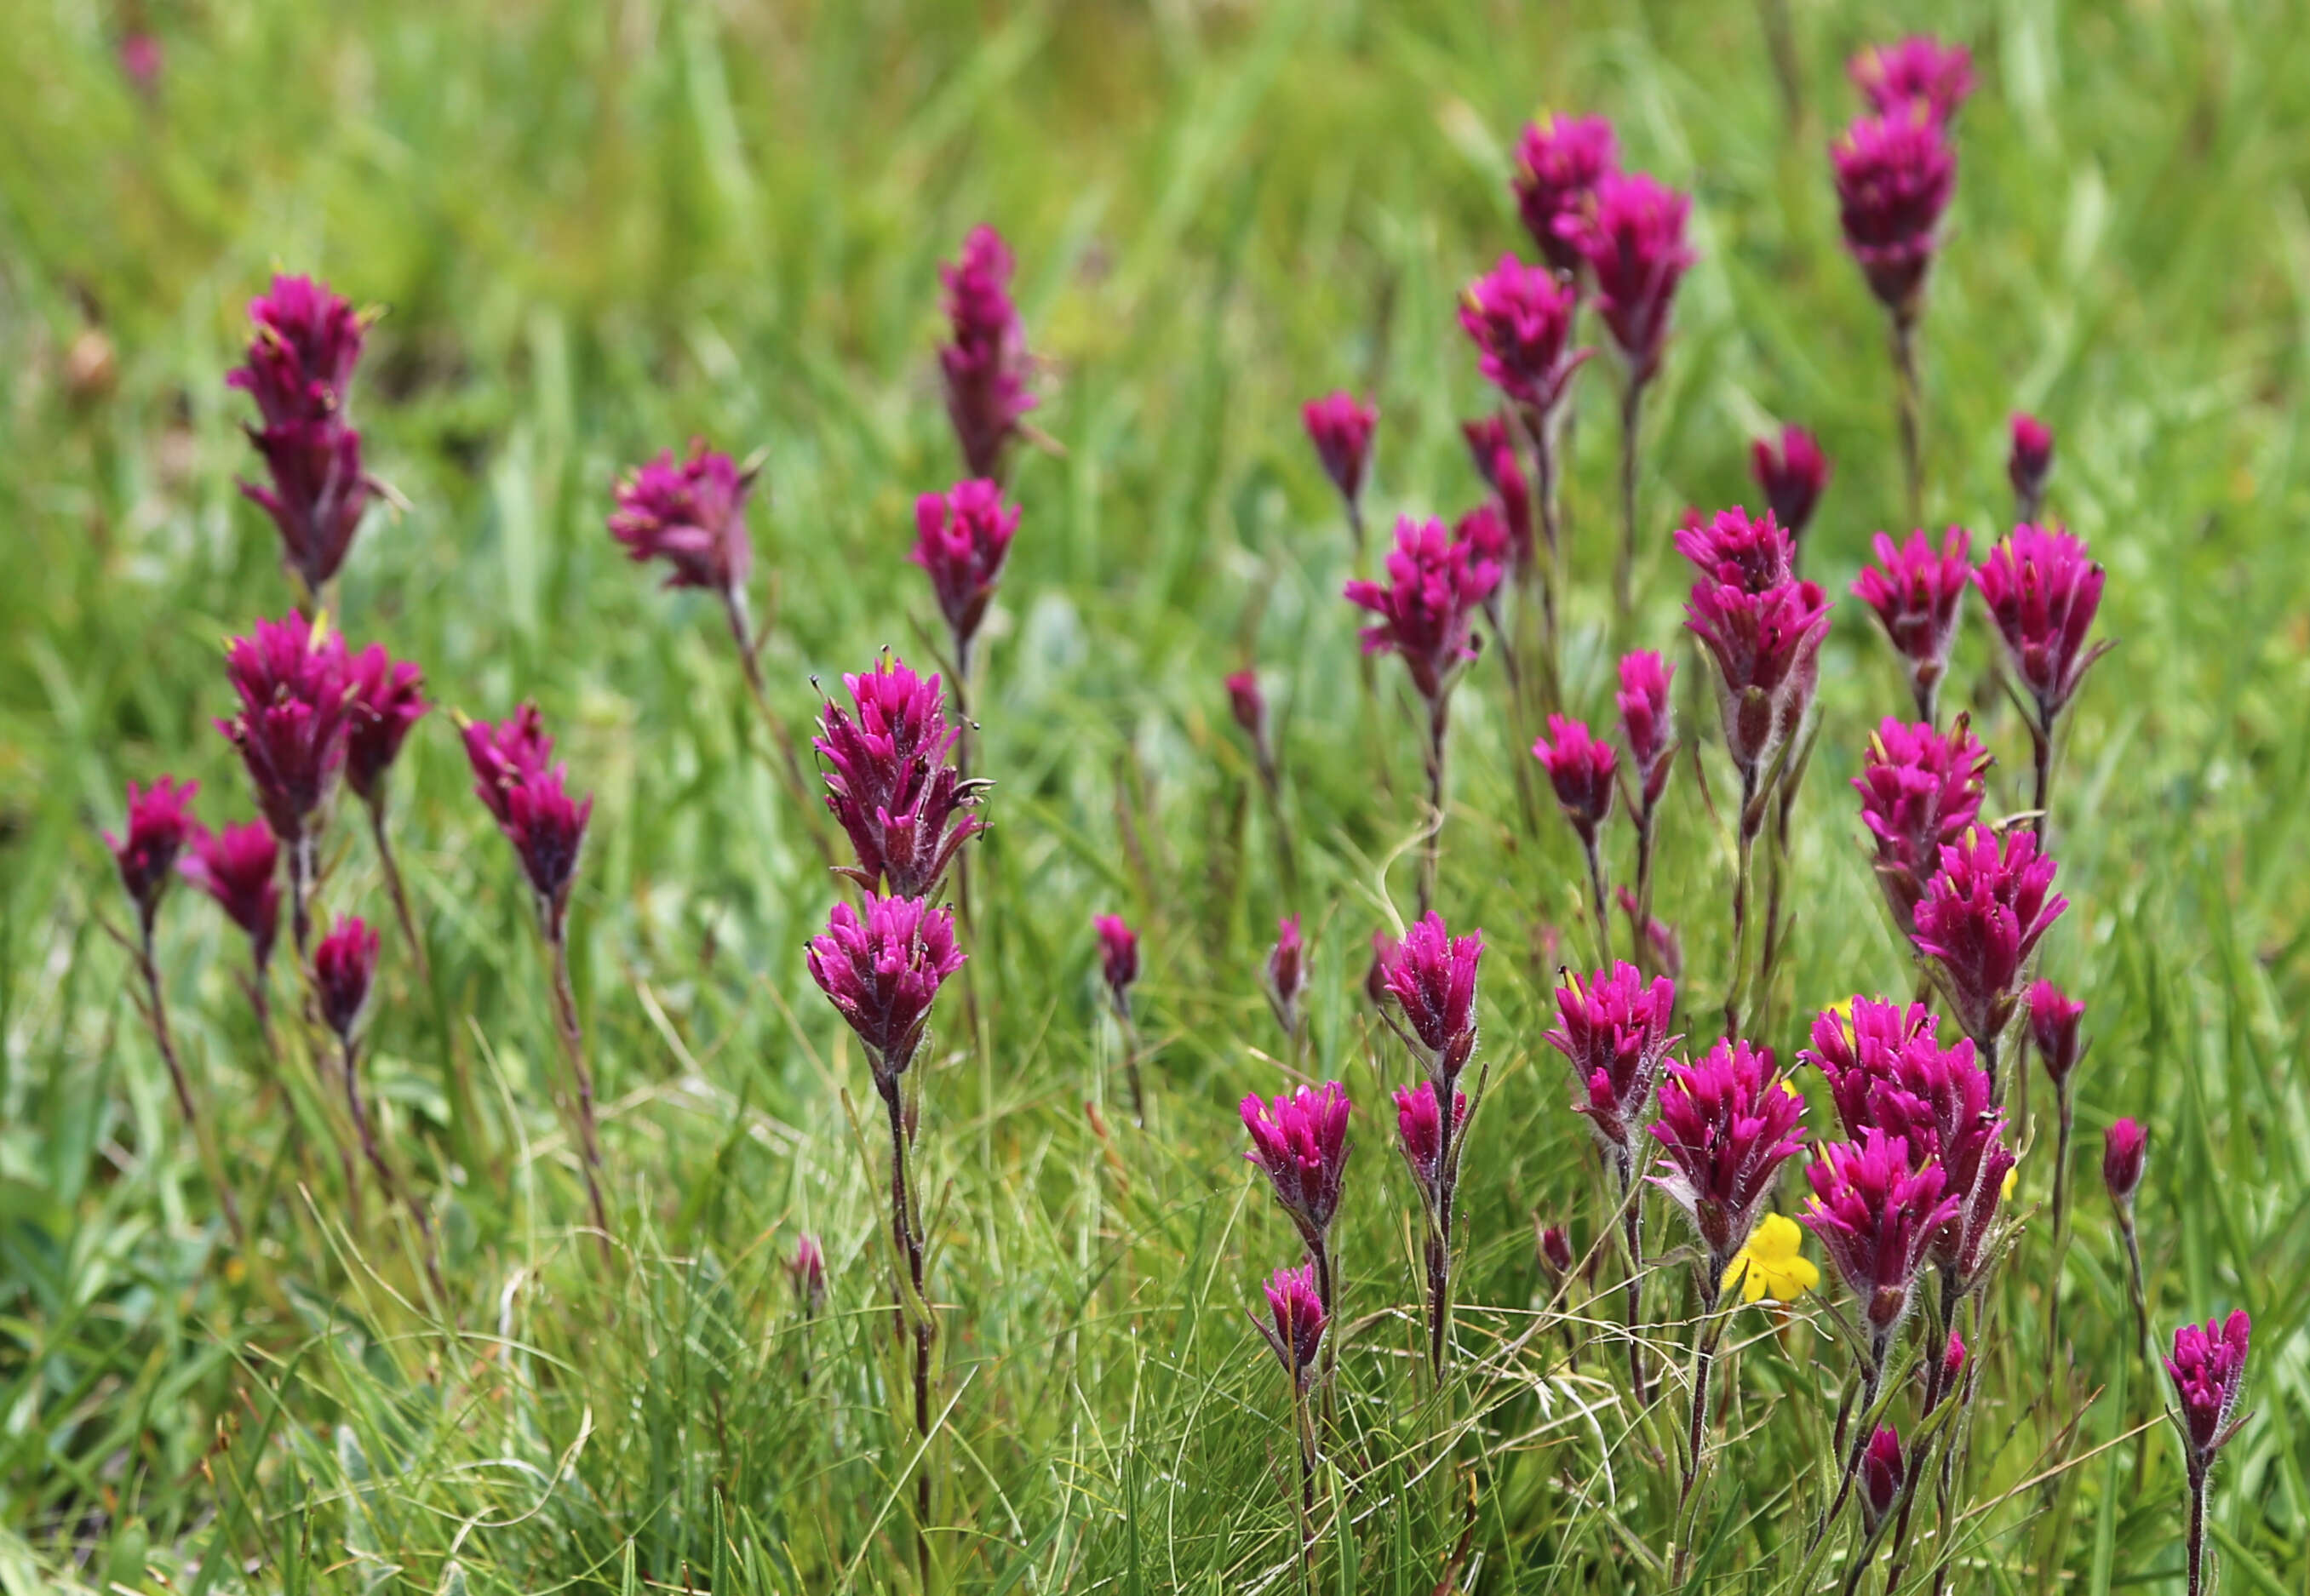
(1520, 319)
(1341, 426)
(1631, 234)
(1877, 1206)
(1920, 74)
(1920, 793)
(316, 492)
(387, 698)
(1863, 1044)
(239, 867)
(1118, 956)
(1301, 1142)
(297, 367)
(891, 781)
(961, 538)
(1558, 162)
(986, 364)
(1916, 592)
(2031, 464)
(2054, 1017)
(1895, 174)
(1726, 1126)
(1432, 975)
(1613, 1030)
(1979, 922)
(529, 799)
(345, 963)
(2041, 590)
(293, 725)
(1581, 769)
(2208, 1369)
(159, 825)
(1284, 976)
(1647, 723)
(1766, 650)
(882, 969)
(2124, 1154)
(1792, 472)
(1294, 1328)
(1421, 1136)
(1882, 1471)
(1436, 584)
(300, 361)
(1754, 553)
(690, 514)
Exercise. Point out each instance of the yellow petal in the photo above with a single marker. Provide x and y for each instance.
(2012, 1179)
(1757, 1283)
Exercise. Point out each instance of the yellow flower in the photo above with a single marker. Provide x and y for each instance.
(1773, 1263)
(2012, 1179)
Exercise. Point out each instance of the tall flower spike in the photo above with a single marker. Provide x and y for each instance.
(1916, 592)
(986, 364)
(1766, 650)
(2029, 464)
(1436, 584)
(1341, 426)
(1300, 1140)
(891, 782)
(1863, 1044)
(1431, 974)
(961, 538)
(2125, 1153)
(1558, 162)
(882, 969)
(345, 963)
(1631, 234)
(1920, 74)
(1920, 793)
(301, 359)
(239, 867)
(1284, 976)
(2041, 590)
(1294, 1327)
(294, 726)
(690, 514)
(1895, 174)
(1581, 769)
(1520, 319)
(298, 365)
(1647, 723)
(1877, 1206)
(528, 797)
(387, 698)
(159, 824)
(1791, 471)
(1118, 957)
(317, 493)
(1727, 1125)
(1979, 922)
(1613, 1030)
(2208, 1369)
(1754, 553)
(1423, 1140)
(2053, 1017)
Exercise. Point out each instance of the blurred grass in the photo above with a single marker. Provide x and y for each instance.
(598, 230)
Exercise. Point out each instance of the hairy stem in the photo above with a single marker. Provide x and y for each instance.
(573, 1049)
(1431, 853)
(1907, 403)
(2068, 1116)
(1602, 905)
(1751, 822)
(1624, 566)
(387, 1182)
(2041, 756)
(907, 1240)
(1871, 1377)
(394, 888)
(156, 1011)
(787, 758)
(2197, 1541)
(1632, 1233)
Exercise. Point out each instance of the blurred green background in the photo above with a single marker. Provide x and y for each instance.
(598, 230)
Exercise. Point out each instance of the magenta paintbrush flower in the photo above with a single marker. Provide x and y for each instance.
(294, 724)
(961, 538)
(1341, 426)
(1860, 1044)
(1916, 592)
(2124, 1154)
(1118, 957)
(1284, 976)
(1558, 162)
(1647, 723)
(1294, 1327)
(986, 364)
(345, 963)
(2030, 464)
(297, 367)
(1882, 1471)
(387, 698)
(1727, 1125)
(1980, 920)
(2208, 1369)
(1631, 234)
(1581, 768)
(2054, 1020)
(1436, 584)
(2041, 590)
(1520, 319)
(1791, 471)
(891, 781)
(301, 359)
(1754, 553)
(528, 797)
(1422, 1138)
(1895, 174)
(159, 825)
(317, 493)
(239, 867)
(1300, 1140)
(882, 969)
(691, 515)
(1431, 974)
(1613, 1030)
(1876, 1206)
(1920, 793)
(1920, 74)
(1766, 650)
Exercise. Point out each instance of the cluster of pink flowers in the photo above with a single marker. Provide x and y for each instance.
(298, 370)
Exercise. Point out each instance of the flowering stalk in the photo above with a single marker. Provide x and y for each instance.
(1648, 728)
(239, 868)
(387, 698)
(1294, 1329)
(298, 365)
(1301, 1142)
(1581, 769)
(1118, 959)
(1792, 472)
(1341, 427)
(1916, 592)
(1284, 979)
(1979, 923)
(2208, 1369)
(1248, 704)
(159, 825)
(2124, 1154)
(2054, 1020)
(292, 733)
(2041, 590)
(807, 1270)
